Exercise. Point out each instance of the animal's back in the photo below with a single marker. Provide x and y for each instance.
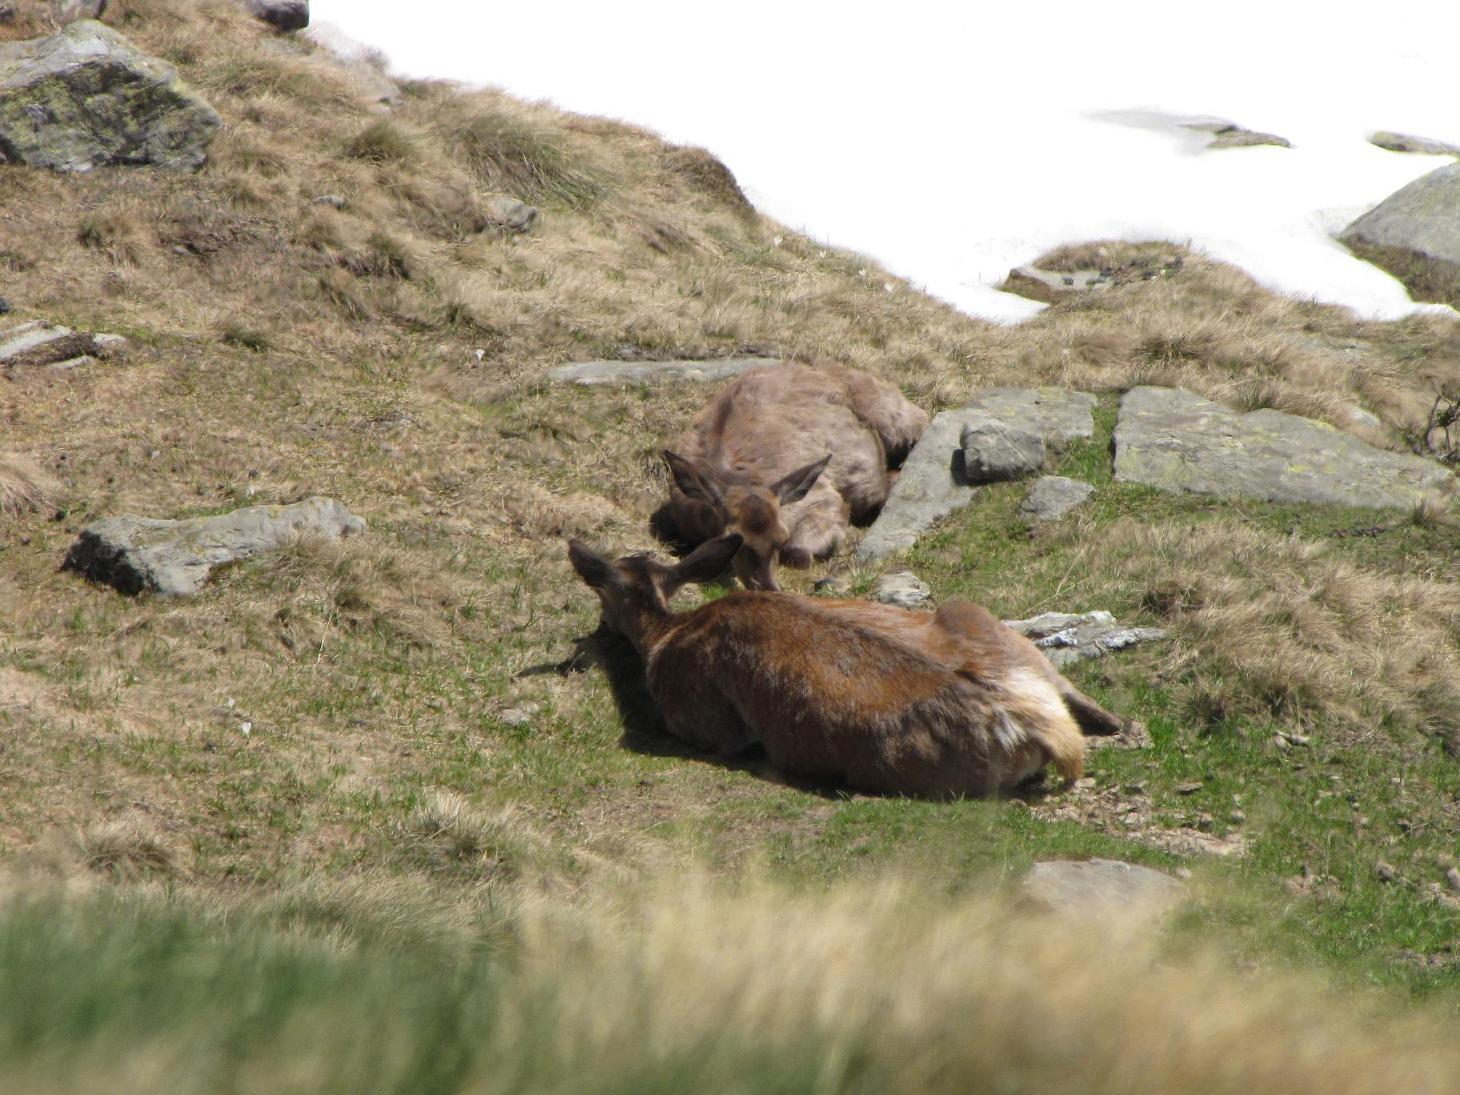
(769, 422)
(831, 700)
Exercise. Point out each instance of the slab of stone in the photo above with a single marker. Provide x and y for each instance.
(175, 557)
(933, 481)
(1404, 142)
(1099, 888)
(85, 97)
(994, 452)
(42, 343)
(904, 589)
(625, 374)
(1176, 441)
(1058, 415)
(1067, 637)
(1050, 286)
(1053, 496)
(1415, 235)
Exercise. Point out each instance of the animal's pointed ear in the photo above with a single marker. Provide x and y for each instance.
(798, 484)
(693, 482)
(706, 563)
(593, 568)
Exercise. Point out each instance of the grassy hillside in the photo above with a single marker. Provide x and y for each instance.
(391, 353)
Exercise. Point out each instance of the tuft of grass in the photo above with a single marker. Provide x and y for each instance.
(237, 333)
(383, 142)
(114, 232)
(125, 849)
(514, 155)
(24, 487)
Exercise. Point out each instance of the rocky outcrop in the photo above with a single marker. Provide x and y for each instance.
(1099, 888)
(1049, 286)
(1067, 637)
(1176, 441)
(50, 344)
(282, 15)
(934, 481)
(175, 557)
(1053, 496)
(1404, 142)
(1415, 235)
(623, 374)
(86, 97)
(1230, 135)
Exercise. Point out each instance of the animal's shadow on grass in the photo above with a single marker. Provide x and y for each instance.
(644, 730)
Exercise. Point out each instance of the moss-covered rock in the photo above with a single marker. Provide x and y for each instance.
(86, 97)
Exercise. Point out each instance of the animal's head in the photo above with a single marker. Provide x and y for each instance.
(638, 585)
(754, 512)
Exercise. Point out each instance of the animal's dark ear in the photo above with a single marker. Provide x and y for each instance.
(593, 568)
(693, 482)
(795, 486)
(706, 563)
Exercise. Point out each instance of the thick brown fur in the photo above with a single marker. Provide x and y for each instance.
(828, 695)
(970, 639)
(788, 456)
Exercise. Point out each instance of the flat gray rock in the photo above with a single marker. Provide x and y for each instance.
(1415, 235)
(933, 481)
(994, 452)
(1067, 637)
(903, 588)
(1053, 496)
(175, 557)
(85, 97)
(1175, 441)
(624, 374)
(1404, 142)
(1099, 888)
(42, 343)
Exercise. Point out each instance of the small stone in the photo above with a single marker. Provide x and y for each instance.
(519, 716)
(1236, 817)
(1281, 742)
(282, 15)
(1053, 496)
(831, 585)
(1135, 788)
(1205, 822)
(904, 589)
(334, 201)
(1188, 788)
(4, 307)
(511, 214)
(1385, 872)
(994, 452)
(1452, 876)
(1295, 739)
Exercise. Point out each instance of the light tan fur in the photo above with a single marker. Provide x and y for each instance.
(788, 456)
(829, 695)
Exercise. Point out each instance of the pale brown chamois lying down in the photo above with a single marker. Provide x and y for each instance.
(787, 456)
(828, 697)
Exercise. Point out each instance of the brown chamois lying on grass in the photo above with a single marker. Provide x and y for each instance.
(967, 637)
(787, 456)
(827, 696)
